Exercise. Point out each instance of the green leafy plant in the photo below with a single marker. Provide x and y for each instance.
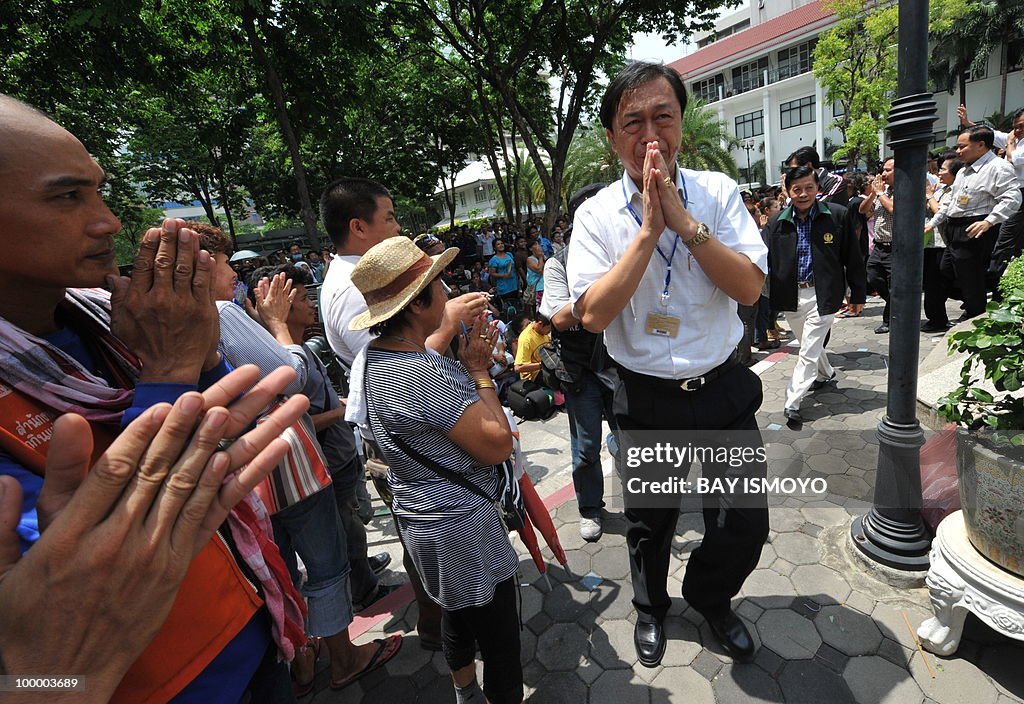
(995, 352)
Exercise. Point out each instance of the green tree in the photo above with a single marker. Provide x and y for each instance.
(591, 159)
(702, 140)
(514, 48)
(855, 62)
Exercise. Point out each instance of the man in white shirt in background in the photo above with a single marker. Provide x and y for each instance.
(1010, 241)
(985, 194)
(658, 261)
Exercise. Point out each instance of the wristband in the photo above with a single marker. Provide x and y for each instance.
(484, 382)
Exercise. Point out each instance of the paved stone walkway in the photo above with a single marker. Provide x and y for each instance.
(829, 631)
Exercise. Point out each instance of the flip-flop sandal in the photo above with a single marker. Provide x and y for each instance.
(387, 648)
(847, 314)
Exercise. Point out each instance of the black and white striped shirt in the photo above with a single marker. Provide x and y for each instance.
(455, 537)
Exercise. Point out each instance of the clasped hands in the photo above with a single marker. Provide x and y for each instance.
(166, 313)
(662, 205)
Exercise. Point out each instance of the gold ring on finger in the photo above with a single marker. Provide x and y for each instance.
(668, 181)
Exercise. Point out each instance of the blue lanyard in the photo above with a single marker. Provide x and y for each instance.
(675, 242)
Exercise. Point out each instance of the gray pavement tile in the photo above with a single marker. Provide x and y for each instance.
(831, 658)
(789, 634)
(707, 665)
(684, 643)
(1004, 663)
(567, 603)
(830, 464)
(539, 622)
(797, 548)
(785, 520)
(745, 684)
(769, 661)
(848, 631)
(889, 619)
(860, 601)
(619, 686)
(875, 680)
(783, 567)
(611, 645)
(811, 682)
(952, 680)
(768, 589)
(768, 556)
(895, 653)
(679, 685)
(562, 646)
(393, 689)
(824, 515)
(820, 584)
(559, 688)
(611, 563)
(749, 611)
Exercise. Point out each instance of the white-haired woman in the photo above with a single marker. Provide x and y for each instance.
(443, 431)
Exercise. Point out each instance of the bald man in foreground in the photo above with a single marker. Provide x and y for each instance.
(123, 565)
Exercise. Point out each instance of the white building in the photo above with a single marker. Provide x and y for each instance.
(476, 195)
(755, 70)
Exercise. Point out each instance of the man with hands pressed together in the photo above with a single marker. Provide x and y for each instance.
(658, 261)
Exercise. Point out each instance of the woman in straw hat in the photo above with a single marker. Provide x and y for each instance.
(435, 418)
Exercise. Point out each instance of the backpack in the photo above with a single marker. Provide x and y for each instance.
(529, 401)
(554, 373)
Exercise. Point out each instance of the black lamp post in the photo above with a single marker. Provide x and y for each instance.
(892, 533)
(747, 145)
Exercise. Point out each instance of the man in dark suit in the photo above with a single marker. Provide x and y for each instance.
(813, 254)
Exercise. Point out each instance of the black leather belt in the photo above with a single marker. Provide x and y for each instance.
(884, 246)
(691, 384)
(964, 221)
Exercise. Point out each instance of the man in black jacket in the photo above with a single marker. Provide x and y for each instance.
(813, 254)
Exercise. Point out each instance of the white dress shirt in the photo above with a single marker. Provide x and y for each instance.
(988, 187)
(340, 302)
(1017, 162)
(709, 327)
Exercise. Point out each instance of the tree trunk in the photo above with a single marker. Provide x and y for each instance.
(288, 132)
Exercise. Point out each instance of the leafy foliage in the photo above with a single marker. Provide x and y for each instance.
(995, 348)
(855, 62)
(703, 137)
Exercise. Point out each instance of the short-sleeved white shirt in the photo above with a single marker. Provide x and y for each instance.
(340, 302)
(709, 331)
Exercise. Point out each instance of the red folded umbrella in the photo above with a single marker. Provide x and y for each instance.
(538, 513)
(529, 538)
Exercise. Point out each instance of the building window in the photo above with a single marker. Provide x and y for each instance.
(462, 198)
(1014, 55)
(796, 60)
(838, 110)
(797, 112)
(482, 196)
(750, 125)
(707, 89)
(749, 76)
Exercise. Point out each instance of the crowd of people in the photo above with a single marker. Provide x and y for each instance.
(182, 482)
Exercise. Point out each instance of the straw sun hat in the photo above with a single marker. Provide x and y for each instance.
(391, 274)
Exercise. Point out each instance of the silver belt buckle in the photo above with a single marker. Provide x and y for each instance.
(692, 384)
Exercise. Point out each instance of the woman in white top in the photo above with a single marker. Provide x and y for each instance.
(938, 284)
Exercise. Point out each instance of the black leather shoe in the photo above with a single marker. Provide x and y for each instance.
(732, 635)
(933, 327)
(649, 639)
(379, 562)
(819, 384)
(794, 420)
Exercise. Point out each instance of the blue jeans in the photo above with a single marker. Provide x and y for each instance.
(586, 409)
(362, 580)
(312, 529)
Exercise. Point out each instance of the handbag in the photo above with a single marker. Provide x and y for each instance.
(301, 473)
(554, 372)
(509, 500)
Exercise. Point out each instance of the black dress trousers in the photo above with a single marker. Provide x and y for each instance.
(735, 530)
